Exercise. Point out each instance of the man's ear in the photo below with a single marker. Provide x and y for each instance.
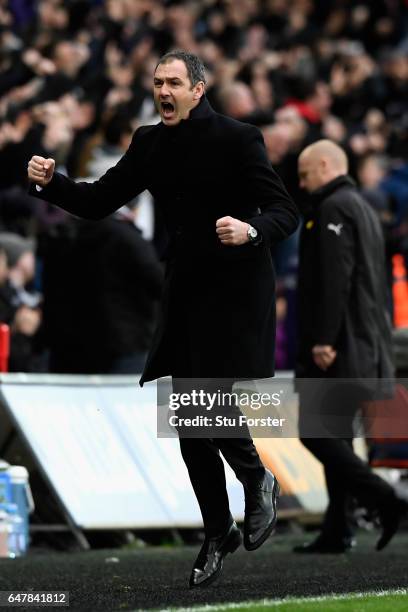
(198, 90)
(323, 164)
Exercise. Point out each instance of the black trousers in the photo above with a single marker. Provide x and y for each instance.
(202, 453)
(347, 476)
(202, 456)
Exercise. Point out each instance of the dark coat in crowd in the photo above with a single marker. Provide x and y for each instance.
(102, 282)
(218, 314)
(342, 289)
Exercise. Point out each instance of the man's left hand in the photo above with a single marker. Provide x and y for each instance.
(232, 232)
(323, 355)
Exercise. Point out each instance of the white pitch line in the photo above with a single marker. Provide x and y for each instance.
(277, 602)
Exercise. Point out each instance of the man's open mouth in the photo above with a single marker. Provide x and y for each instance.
(167, 109)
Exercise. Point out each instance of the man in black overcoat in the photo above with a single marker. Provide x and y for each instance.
(344, 338)
(224, 207)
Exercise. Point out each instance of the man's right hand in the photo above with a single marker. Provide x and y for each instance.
(324, 356)
(40, 170)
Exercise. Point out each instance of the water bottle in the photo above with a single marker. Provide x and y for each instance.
(17, 539)
(21, 495)
(5, 487)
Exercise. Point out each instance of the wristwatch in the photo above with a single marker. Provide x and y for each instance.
(252, 234)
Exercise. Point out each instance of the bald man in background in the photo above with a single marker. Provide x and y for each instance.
(344, 333)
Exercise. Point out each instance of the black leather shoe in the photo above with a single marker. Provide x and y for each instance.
(208, 564)
(390, 519)
(323, 546)
(260, 512)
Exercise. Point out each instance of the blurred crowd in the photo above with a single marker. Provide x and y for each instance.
(76, 80)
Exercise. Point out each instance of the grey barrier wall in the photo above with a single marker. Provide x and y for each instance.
(96, 442)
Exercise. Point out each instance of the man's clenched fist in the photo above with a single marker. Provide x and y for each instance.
(40, 170)
(232, 232)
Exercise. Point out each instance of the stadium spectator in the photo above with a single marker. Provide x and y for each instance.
(103, 280)
(344, 333)
(238, 101)
(118, 133)
(6, 308)
(371, 171)
(20, 308)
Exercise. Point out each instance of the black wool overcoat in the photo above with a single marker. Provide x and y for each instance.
(218, 305)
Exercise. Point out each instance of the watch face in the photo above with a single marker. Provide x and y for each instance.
(252, 233)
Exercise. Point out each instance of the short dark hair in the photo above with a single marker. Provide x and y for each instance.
(195, 67)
